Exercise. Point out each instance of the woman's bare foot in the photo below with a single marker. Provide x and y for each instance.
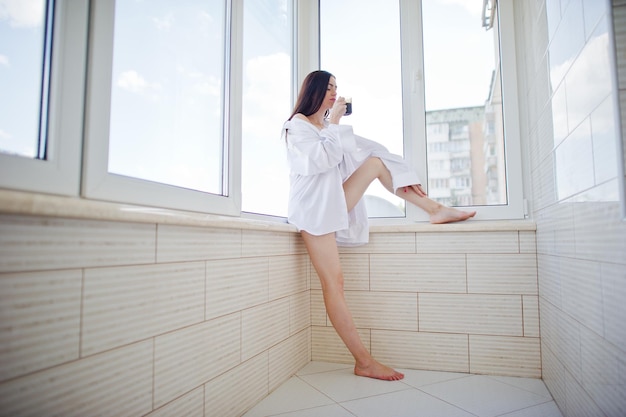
(378, 371)
(448, 215)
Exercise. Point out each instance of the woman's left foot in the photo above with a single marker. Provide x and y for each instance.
(449, 215)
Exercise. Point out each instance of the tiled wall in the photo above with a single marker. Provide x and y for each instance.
(113, 318)
(568, 124)
(444, 300)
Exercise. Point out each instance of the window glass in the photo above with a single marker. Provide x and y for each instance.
(25, 46)
(360, 46)
(167, 99)
(463, 105)
(266, 104)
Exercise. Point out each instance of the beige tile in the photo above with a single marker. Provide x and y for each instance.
(419, 350)
(549, 277)
(299, 312)
(385, 243)
(187, 358)
(126, 304)
(383, 310)
(527, 242)
(190, 404)
(265, 243)
(318, 310)
(287, 275)
(502, 273)
(581, 292)
(356, 272)
(239, 389)
(296, 244)
(530, 307)
(614, 294)
(326, 346)
(604, 373)
(235, 284)
(187, 243)
(499, 355)
(418, 273)
(35, 244)
(468, 242)
(264, 326)
(287, 357)
(40, 316)
(600, 235)
(118, 382)
(471, 313)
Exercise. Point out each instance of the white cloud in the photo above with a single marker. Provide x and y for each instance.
(135, 83)
(474, 7)
(4, 135)
(164, 23)
(4, 60)
(22, 13)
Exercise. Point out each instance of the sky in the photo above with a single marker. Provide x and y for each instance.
(167, 82)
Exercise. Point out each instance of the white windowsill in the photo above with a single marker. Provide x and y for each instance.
(30, 204)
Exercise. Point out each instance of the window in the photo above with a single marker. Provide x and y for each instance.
(266, 105)
(363, 53)
(150, 103)
(457, 99)
(158, 131)
(42, 70)
(463, 89)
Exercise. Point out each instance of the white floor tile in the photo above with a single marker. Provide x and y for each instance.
(542, 410)
(316, 367)
(529, 384)
(417, 378)
(293, 395)
(332, 390)
(324, 411)
(343, 385)
(484, 396)
(407, 403)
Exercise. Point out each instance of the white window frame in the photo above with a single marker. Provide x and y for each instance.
(99, 184)
(415, 112)
(413, 103)
(59, 173)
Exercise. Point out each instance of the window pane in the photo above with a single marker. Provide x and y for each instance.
(167, 96)
(463, 106)
(25, 41)
(349, 34)
(266, 105)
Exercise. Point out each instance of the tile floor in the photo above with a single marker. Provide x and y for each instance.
(323, 389)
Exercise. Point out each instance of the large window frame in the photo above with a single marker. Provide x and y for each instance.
(59, 172)
(80, 99)
(100, 184)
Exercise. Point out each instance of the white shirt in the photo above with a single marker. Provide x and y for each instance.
(320, 161)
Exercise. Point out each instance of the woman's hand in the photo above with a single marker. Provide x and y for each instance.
(337, 111)
(417, 188)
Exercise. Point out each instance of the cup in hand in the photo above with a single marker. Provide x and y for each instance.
(348, 106)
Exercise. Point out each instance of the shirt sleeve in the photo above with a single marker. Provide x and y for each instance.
(312, 151)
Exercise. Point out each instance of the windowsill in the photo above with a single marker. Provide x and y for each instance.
(32, 204)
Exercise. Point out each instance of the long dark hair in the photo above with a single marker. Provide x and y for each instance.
(312, 93)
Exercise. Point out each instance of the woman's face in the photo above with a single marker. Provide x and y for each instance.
(331, 94)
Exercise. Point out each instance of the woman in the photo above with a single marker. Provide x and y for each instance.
(331, 168)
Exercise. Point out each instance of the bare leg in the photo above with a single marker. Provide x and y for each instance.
(355, 186)
(325, 257)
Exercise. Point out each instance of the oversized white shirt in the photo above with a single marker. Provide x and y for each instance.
(320, 161)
